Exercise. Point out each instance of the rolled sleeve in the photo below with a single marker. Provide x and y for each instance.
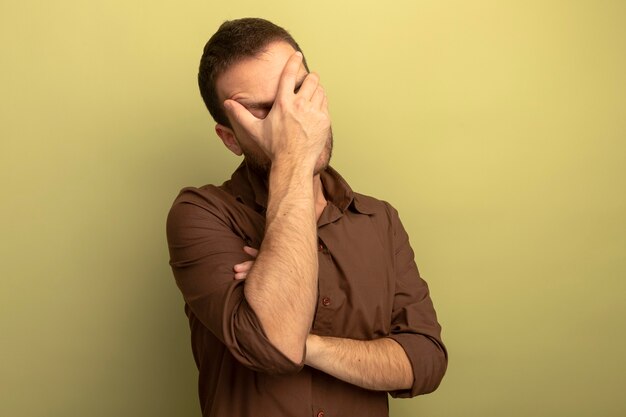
(414, 321)
(204, 247)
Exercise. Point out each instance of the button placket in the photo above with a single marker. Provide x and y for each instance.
(323, 322)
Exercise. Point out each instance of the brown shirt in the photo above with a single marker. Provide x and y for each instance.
(369, 287)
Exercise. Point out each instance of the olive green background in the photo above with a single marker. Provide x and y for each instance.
(497, 128)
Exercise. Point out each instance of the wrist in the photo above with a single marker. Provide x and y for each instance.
(293, 166)
(313, 343)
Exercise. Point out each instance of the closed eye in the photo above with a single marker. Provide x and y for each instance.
(260, 110)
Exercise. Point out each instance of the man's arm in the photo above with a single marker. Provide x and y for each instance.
(281, 287)
(411, 360)
(380, 364)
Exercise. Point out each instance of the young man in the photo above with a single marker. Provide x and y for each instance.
(303, 296)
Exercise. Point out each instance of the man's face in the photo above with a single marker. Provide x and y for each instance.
(253, 82)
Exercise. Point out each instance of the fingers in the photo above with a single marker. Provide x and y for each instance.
(242, 269)
(241, 275)
(309, 86)
(240, 115)
(317, 100)
(288, 78)
(251, 251)
(244, 266)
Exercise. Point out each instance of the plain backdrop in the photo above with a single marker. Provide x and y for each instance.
(496, 128)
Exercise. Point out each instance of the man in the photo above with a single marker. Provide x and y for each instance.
(303, 297)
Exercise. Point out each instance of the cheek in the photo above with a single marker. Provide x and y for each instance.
(247, 144)
(240, 134)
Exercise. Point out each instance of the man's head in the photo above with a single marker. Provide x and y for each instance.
(235, 40)
(243, 61)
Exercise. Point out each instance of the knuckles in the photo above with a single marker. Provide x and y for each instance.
(300, 102)
(314, 77)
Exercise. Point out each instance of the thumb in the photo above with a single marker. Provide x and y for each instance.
(240, 114)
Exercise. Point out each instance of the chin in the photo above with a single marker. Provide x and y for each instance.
(261, 164)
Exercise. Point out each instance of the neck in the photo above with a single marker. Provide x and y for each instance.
(318, 195)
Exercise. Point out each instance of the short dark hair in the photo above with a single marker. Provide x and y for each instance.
(234, 40)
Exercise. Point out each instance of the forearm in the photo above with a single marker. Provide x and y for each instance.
(379, 364)
(282, 285)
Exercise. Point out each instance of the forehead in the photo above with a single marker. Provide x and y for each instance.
(256, 78)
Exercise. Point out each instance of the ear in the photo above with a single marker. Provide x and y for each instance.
(228, 137)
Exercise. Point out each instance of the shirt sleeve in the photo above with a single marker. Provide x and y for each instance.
(414, 321)
(204, 247)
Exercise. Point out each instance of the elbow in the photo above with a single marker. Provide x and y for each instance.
(260, 354)
(276, 366)
(294, 352)
(254, 348)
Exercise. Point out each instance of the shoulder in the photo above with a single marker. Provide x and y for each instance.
(373, 206)
(384, 216)
(206, 195)
(196, 205)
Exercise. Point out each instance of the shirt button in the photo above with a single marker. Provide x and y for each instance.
(325, 303)
(320, 414)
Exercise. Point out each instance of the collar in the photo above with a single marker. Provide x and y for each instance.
(252, 190)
